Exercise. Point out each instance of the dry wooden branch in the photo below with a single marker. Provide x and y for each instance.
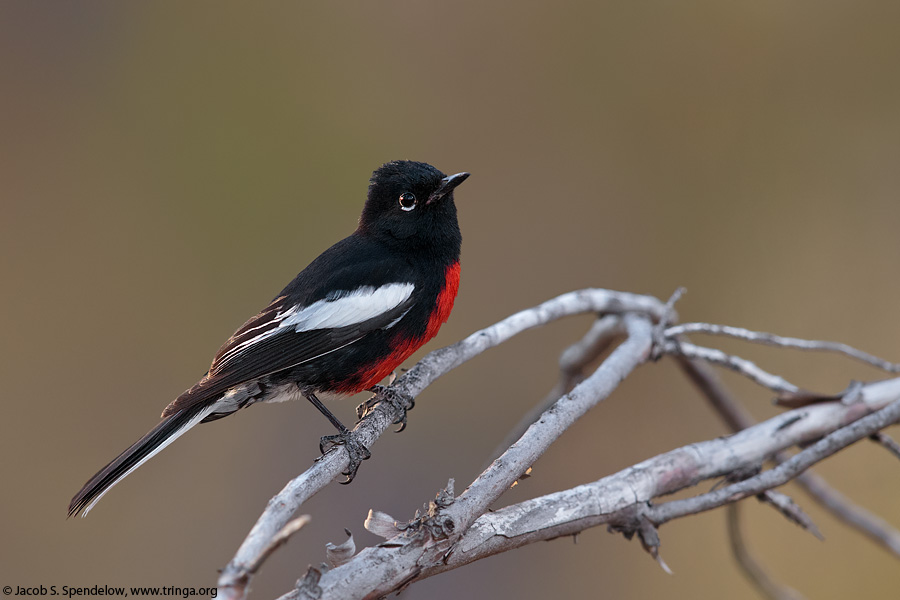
(456, 531)
(282, 506)
(431, 546)
(572, 363)
(279, 540)
(751, 568)
(735, 363)
(785, 342)
(887, 442)
(430, 540)
(737, 418)
(789, 469)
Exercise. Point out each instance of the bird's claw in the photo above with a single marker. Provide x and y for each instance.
(356, 451)
(393, 398)
(401, 420)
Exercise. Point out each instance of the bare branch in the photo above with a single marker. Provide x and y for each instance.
(615, 497)
(282, 506)
(785, 342)
(751, 568)
(488, 486)
(578, 356)
(707, 381)
(735, 363)
(791, 511)
(618, 498)
(670, 316)
(888, 442)
(382, 569)
(572, 362)
(239, 586)
(455, 531)
(737, 418)
(784, 472)
(852, 515)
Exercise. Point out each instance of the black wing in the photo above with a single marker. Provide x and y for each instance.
(268, 343)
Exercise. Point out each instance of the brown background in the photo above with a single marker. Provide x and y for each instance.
(166, 167)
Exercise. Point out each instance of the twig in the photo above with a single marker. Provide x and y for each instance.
(670, 316)
(708, 382)
(572, 362)
(887, 442)
(852, 515)
(282, 506)
(785, 505)
(239, 584)
(488, 486)
(737, 418)
(785, 342)
(378, 571)
(735, 363)
(751, 568)
(453, 532)
(417, 554)
(578, 356)
(782, 473)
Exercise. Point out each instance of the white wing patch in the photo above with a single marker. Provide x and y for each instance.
(358, 306)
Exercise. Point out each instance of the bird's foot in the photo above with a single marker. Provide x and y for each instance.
(356, 451)
(401, 403)
(403, 408)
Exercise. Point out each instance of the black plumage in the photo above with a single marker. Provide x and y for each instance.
(349, 318)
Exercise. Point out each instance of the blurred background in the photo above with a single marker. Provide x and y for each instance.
(166, 167)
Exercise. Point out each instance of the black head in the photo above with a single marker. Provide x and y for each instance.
(410, 204)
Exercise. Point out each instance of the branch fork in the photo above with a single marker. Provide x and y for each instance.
(453, 531)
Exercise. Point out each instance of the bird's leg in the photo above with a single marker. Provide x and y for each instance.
(356, 451)
(401, 403)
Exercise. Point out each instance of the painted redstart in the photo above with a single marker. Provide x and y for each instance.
(343, 324)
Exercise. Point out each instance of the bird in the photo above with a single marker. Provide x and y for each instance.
(343, 324)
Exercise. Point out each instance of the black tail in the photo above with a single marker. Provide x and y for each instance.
(158, 438)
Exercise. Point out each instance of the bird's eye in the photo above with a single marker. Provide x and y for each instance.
(407, 201)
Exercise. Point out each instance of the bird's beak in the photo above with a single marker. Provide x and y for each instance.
(447, 185)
